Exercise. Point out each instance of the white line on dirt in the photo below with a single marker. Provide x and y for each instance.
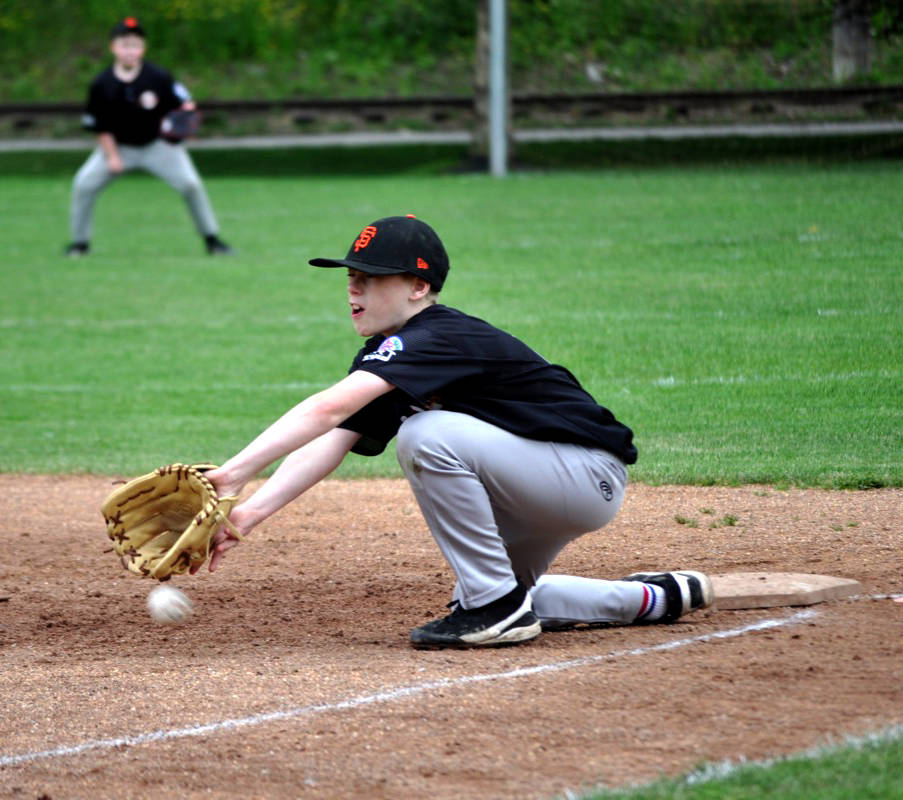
(393, 694)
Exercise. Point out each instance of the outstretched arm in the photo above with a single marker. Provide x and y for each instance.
(302, 469)
(308, 420)
(314, 446)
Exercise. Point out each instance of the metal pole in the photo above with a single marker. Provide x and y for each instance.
(498, 89)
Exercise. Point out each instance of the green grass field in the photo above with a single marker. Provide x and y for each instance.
(745, 321)
(867, 769)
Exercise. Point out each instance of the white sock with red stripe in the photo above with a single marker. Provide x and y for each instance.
(653, 607)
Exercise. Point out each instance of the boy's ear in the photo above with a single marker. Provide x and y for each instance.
(420, 288)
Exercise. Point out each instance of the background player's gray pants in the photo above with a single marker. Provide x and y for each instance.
(502, 507)
(169, 162)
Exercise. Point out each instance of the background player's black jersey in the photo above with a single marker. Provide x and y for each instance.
(443, 358)
(131, 111)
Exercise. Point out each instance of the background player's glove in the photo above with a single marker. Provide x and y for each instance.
(162, 523)
(180, 124)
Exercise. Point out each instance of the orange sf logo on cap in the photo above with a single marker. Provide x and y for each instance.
(131, 22)
(365, 238)
(421, 264)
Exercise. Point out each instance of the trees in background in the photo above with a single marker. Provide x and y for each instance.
(230, 49)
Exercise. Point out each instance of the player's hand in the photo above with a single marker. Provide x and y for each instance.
(114, 163)
(225, 485)
(223, 540)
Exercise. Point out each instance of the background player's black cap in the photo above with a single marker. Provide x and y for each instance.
(127, 27)
(393, 245)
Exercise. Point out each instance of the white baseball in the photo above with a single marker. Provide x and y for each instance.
(168, 605)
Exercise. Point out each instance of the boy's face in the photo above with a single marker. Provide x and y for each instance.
(128, 50)
(382, 303)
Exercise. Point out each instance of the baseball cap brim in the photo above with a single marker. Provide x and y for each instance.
(395, 246)
(347, 263)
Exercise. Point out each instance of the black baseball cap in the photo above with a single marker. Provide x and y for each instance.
(127, 27)
(393, 245)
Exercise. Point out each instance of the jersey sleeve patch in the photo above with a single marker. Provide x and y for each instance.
(389, 347)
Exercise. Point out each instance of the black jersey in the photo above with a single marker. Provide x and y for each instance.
(132, 111)
(443, 358)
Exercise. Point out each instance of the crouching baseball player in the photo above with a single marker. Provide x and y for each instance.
(508, 457)
(127, 105)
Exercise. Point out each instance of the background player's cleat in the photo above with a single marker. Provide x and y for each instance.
(216, 246)
(77, 249)
(508, 620)
(685, 591)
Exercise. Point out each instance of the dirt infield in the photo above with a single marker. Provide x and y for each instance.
(295, 678)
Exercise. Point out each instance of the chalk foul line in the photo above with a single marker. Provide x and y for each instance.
(400, 693)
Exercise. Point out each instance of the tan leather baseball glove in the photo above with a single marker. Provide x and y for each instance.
(162, 523)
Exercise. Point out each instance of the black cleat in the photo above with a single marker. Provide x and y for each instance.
(685, 591)
(77, 249)
(216, 246)
(508, 620)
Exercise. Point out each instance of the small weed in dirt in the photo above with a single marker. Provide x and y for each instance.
(727, 521)
(688, 521)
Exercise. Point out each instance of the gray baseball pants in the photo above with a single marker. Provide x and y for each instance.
(170, 162)
(501, 508)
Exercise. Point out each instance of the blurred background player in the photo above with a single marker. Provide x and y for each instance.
(126, 104)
